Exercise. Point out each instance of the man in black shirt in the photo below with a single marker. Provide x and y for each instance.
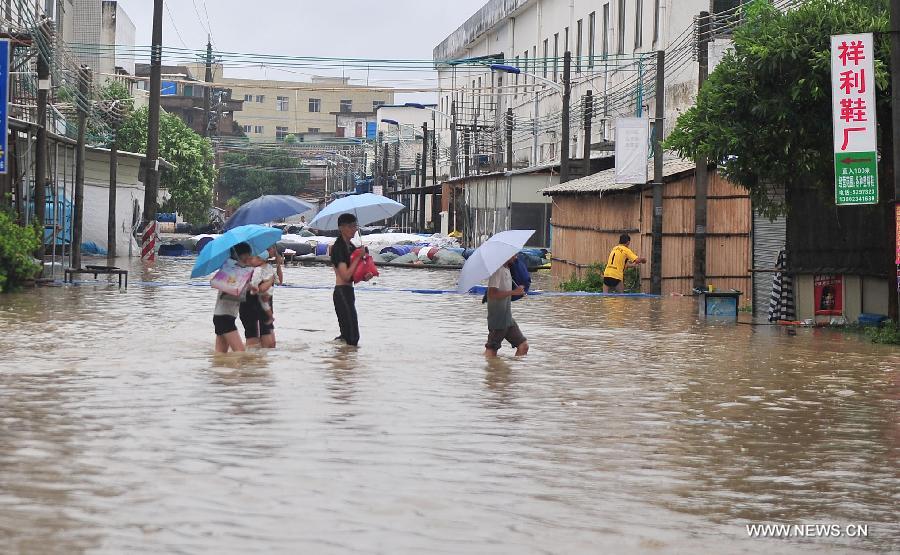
(344, 297)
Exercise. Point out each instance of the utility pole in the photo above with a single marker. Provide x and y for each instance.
(566, 100)
(83, 104)
(466, 153)
(588, 115)
(206, 92)
(384, 165)
(376, 175)
(435, 196)
(509, 139)
(151, 170)
(115, 121)
(45, 50)
(424, 176)
(657, 223)
(454, 155)
(701, 175)
(893, 296)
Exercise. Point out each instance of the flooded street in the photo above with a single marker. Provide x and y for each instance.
(630, 427)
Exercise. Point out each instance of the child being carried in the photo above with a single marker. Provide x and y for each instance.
(262, 284)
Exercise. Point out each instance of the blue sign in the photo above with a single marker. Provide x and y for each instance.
(168, 88)
(4, 102)
(371, 130)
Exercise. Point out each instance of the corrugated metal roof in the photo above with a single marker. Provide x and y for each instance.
(602, 182)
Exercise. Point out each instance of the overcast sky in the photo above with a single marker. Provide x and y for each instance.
(389, 29)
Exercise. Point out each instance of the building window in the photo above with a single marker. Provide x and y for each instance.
(281, 133)
(655, 21)
(620, 43)
(315, 104)
(525, 79)
(189, 90)
(260, 98)
(246, 128)
(592, 37)
(546, 54)
(346, 106)
(377, 104)
(313, 130)
(604, 47)
(259, 129)
(516, 89)
(556, 56)
(578, 37)
(282, 104)
(248, 98)
(638, 23)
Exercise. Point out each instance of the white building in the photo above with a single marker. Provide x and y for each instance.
(104, 24)
(612, 44)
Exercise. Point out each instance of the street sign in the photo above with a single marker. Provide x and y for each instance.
(168, 88)
(897, 219)
(4, 103)
(632, 150)
(377, 190)
(854, 119)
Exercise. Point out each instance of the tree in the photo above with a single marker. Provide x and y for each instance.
(191, 181)
(253, 172)
(764, 115)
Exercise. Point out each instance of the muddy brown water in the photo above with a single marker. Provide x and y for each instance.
(631, 427)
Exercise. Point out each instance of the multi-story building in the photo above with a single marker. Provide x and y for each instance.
(275, 109)
(613, 45)
(98, 27)
(182, 94)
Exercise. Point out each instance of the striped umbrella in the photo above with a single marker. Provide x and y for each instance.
(781, 305)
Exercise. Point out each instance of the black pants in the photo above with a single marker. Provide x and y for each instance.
(345, 308)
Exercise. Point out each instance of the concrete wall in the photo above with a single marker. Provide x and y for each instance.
(96, 198)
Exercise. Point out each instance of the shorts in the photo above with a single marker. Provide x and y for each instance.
(254, 319)
(224, 324)
(512, 334)
(611, 282)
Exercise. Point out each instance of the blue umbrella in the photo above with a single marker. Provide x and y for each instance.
(214, 254)
(367, 208)
(267, 208)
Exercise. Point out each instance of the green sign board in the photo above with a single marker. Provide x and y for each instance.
(856, 178)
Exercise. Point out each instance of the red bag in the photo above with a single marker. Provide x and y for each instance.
(365, 266)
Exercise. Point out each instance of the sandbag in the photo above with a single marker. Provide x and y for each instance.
(407, 258)
(447, 257)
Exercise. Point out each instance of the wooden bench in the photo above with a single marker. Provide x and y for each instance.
(69, 273)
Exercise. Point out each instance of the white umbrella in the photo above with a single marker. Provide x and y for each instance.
(367, 208)
(492, 254)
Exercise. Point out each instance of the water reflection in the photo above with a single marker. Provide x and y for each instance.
(632, 426)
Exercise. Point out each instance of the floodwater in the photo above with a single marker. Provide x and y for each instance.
(631, 427)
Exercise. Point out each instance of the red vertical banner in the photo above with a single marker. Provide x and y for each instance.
(897, 233)
(829, 295)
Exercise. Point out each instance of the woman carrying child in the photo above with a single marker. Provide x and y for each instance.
(228, 307)
(256, 309)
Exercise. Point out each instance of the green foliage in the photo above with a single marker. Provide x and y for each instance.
(233, 203)
(888, 334)
(290, 139)
(251, 173)
(17, 244)
(592, 280)
(764, 114)
(114, 106)
(190, 183)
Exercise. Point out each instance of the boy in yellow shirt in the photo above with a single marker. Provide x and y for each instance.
(620, 257)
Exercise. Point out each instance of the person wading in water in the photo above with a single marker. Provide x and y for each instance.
(344, 267)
